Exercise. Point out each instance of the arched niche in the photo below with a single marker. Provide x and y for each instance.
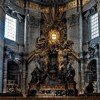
(92, 70)
(13, 71)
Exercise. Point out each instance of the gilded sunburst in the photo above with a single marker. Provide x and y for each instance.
(54, 36)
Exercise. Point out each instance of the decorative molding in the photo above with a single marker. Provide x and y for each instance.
(14, 56)
(31, 5)
(93, 51)
(89, 12)
(19, 3)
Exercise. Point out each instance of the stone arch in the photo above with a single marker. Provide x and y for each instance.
(13, 71)
(92, 70)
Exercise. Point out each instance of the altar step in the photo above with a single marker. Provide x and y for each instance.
(52, 98)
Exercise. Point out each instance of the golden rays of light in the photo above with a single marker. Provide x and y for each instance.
(54, 36)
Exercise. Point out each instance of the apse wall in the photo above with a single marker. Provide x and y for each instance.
(10, 47)
(89, 10)
(33, 31)
(74, 26)
(27, 31)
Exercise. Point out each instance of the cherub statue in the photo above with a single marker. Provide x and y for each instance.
(41, 42)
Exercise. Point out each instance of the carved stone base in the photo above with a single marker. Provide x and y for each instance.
(46, 89)
(71, 89)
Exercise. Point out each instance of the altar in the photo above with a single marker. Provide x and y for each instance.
(53, 72)
(47, 87)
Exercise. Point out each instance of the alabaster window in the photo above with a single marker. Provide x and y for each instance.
(94, 26)
(10, 27)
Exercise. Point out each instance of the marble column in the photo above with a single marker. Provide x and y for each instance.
(79, 77)
(24, 82)
(81, 46)
(24, 75)
(2, 20)
(82, 69)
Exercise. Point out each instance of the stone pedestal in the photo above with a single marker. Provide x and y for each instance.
(71, 89)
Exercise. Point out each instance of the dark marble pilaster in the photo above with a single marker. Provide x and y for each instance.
(98, 75)
(5, 76)
(98, 61)
(2, 20)
(24, 75)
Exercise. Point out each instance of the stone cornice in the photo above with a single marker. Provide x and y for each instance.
(30, 5)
